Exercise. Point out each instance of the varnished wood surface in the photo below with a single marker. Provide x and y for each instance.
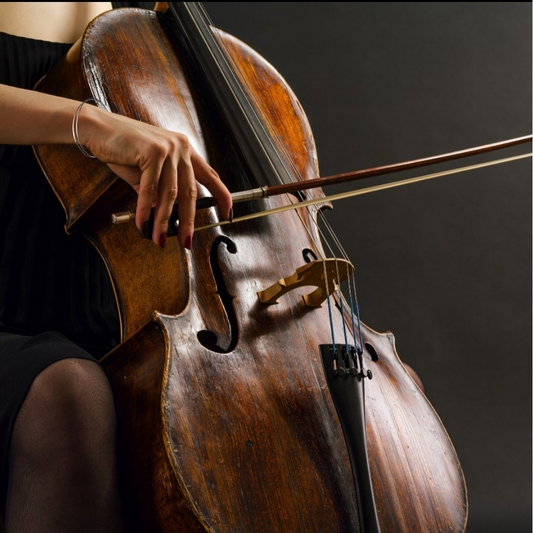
(244, 428)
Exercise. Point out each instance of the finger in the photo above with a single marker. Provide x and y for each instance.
(165, 198)
(187, 194)
(147, 191)
(207, 176)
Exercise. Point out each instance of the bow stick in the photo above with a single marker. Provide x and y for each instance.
(273, 190)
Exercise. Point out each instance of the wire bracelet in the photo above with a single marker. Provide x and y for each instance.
(75, 134)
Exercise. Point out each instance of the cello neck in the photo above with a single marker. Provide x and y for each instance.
(257, 151)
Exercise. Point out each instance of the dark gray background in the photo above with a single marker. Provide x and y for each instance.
(444, 265)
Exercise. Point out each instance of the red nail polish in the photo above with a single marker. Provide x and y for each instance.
(188, 242)
(163, 240)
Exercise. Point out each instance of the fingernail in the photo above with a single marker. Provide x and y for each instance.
(188, 242)
(230, 218)
(163, 240)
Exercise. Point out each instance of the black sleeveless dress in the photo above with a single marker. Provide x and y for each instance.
(56, 300)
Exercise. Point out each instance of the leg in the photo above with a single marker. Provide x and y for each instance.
(63, 475)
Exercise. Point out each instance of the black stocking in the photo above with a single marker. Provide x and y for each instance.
(62, 456)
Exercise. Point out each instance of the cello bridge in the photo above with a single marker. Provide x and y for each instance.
(326, 275)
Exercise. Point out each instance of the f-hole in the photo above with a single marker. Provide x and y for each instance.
(209, 339)
(371, 351)
(309, 255)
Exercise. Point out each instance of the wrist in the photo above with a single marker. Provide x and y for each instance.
(83, 126)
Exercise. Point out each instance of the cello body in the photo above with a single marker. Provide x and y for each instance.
(225, 422)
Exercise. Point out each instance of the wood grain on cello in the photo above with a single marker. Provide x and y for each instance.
(244, 435)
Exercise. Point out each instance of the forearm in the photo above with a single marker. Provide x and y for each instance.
(159, 164)
(30, 117)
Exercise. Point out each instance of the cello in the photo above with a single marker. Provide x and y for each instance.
(192, 380)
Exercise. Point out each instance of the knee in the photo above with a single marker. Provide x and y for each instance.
(68, 409)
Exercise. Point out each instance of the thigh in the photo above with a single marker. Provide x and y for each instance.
(22, 358)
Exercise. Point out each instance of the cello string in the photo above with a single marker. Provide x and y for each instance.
(250, 95)
(367, 190)
(257, 109)
(255, 106)
(240, 81)
(286, 161)
(352, 285)
(280, 147)
(295, 172)
(342, 305)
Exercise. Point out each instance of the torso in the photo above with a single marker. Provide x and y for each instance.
(60, 22)
(33, 38)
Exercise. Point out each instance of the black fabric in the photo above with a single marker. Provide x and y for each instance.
(56, 299)
(21, 359)
(62, 459)
(48, 280)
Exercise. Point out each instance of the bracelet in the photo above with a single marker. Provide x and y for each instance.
(75, 134)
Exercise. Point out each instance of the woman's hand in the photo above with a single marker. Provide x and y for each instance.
(160, 165)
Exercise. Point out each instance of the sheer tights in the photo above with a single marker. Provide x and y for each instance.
(63, 474)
